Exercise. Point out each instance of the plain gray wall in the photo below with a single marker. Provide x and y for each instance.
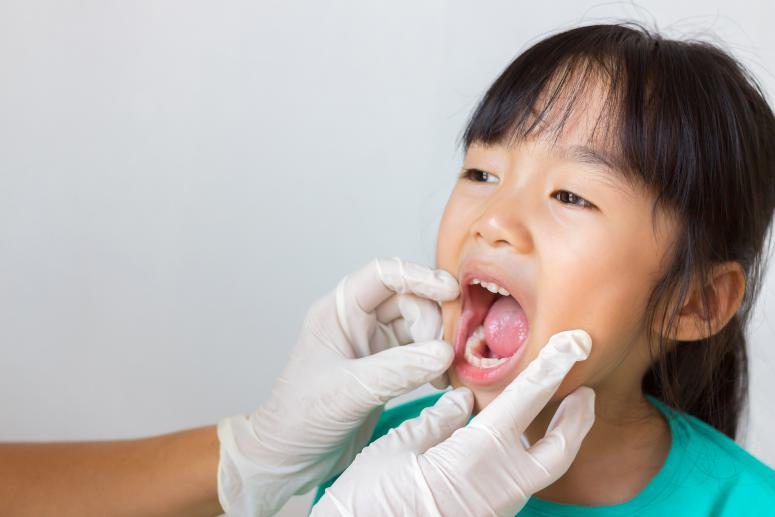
(180, 180)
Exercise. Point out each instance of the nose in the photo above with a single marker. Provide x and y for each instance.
(502, 223)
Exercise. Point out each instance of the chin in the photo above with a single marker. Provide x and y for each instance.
(483, 395)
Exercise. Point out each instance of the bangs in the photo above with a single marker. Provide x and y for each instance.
(520, 105)
(668, 111)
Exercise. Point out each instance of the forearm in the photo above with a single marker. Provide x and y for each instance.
(171, 474)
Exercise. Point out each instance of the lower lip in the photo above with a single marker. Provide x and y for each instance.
(470, 374)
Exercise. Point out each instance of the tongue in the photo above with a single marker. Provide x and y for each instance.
(505, 327)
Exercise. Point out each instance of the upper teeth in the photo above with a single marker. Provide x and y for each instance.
(490, 286)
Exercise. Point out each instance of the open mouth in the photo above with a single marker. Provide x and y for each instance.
(491, 334)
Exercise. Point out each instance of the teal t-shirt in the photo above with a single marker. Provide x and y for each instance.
(705, 473)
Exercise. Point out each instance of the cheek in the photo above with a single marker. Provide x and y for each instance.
(605, 295)
(608, 306)
(452, 232)
(449, 248)
(450, 311)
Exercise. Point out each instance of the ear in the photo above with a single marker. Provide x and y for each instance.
(724, 289)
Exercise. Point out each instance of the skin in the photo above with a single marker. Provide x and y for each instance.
(168, 475)
(582, 267)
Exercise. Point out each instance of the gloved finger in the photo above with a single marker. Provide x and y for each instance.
(401, 331)
(441, 382)
(397, 370)
(358, 295)
(423, 316)
(519, 403)
(384, 337)
(388, 310)
(434, 424)
(408, 317)
(411, 317)
(382, 277)
(554, 453)
(421, 321)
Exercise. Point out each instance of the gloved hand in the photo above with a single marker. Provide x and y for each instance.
(376, 336)
(482, 468)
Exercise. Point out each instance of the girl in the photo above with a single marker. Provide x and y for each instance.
(622, 183)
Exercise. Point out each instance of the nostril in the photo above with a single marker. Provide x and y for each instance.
(497, 243)
(503, 228)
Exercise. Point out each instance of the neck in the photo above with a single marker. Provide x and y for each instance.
(625, 448)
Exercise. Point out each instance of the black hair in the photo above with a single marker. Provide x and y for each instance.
(691, 125)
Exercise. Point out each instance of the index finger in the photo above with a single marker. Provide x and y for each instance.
(512, 411)
(383, 277)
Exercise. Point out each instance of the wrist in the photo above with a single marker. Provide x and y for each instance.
(252, 479)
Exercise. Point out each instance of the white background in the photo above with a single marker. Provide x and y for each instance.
(180, 180)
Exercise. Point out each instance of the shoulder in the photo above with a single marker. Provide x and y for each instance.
(731, 461)
(716, 464)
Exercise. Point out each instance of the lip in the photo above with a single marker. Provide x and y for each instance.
(467, 372)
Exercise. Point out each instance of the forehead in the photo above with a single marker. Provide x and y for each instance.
(571, 123)
(577, 122)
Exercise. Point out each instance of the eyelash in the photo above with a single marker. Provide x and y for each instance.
(584, 202)
(468, 173)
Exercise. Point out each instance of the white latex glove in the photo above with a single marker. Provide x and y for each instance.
(346, 364)
(482, 468)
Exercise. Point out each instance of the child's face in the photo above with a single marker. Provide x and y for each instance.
(569, 266)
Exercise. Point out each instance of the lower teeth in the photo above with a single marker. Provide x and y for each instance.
(475, 341)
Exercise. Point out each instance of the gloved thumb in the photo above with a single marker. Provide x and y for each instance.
(397, 370)
(423, 321)
(434, 424)
(554, 453)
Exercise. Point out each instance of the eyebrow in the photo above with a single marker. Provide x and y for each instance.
(584, 154)
(605, 164)
(588, 155)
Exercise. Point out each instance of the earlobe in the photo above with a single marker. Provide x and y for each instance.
(699, 318)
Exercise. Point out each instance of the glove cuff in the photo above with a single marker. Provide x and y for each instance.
(245, 486)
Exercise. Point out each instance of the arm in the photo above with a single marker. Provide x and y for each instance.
(170, 474)
(374, 337)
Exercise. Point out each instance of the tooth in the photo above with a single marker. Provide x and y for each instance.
(471, 358)
(475, 281)
(475, 338)
(490, 362)
(503, 292)
(492, 288)
(472, 342)
(480, 362)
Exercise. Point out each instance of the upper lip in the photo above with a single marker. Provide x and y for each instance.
(492, 272)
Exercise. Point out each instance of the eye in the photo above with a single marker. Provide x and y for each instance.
(477, 176)
(569, 198)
